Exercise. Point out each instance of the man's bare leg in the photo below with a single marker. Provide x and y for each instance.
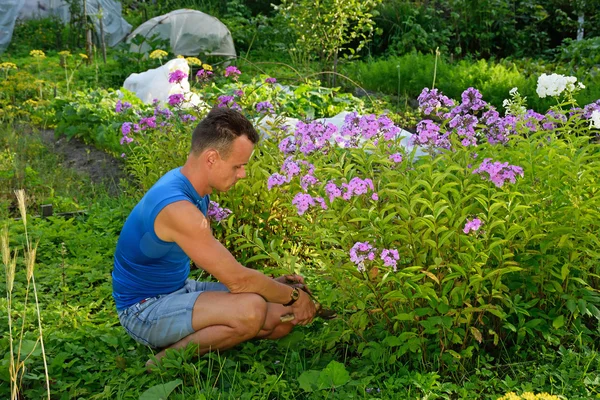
(222, 320)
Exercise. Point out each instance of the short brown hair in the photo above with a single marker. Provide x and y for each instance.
(220, 128)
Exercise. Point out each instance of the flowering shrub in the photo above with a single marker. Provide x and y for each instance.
(446, 253)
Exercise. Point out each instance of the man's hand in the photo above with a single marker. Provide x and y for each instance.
(304, 309)
(290, 279)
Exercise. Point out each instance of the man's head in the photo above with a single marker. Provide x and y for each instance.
(223, 142)
(219, 129)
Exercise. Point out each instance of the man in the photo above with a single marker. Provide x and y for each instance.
(156, 302)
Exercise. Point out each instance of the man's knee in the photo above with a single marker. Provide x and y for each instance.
(252, 314)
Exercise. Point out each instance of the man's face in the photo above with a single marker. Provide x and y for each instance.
(226, 171)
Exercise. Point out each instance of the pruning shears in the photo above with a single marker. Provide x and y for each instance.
(323, 313)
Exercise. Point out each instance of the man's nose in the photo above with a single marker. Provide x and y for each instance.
(242, 173)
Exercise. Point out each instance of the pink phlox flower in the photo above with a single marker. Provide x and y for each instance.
(332, 191)
(431, 101)
(233, 72)
(287, 145)
(185, 118)
(321, 202)
(472, 225)
(176, 99)
(552, 119)
(498, 172)
(308, 180)
(228, 101)
(360, 252)
(265, 107)
(390, 258)
(148, 122)
(303, 202)
(356, 187)
(216, 212)
(276, 180)
(290, 167)
(203, 75)
(271, 81)
(126, 128)
(428, 134)
(396, 157)
(313, 136)
(122, 106)
(375, 197)
(177, 76)
(238, 93)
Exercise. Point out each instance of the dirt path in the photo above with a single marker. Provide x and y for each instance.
(101, 167)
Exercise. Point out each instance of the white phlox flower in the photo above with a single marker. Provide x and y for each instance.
(555, 84)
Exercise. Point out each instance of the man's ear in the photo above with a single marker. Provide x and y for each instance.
(211, 157)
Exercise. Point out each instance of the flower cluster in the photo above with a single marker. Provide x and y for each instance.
(177, 76)
(555, 84)
(203, 74)
(271, 81)
(122, 106)
(216, 212)
(360, 252)
(232, 72)
(499, 172)
(291, 168)
(158, 54)
(8, 65)
(472, 225)
(390, 258)
(346, 191)
(37, 54)
(396, 157)
(228, 101)
(366, 127)
(193, 61)
(265, 107)
(432, 101)
(303, 201)
(176, 99)
(365, 251)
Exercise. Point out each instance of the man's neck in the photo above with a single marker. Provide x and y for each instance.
(192, 171)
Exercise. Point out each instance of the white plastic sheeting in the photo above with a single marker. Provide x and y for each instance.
(114, 26)
(9, 10)
(154, 84)
(189, 33)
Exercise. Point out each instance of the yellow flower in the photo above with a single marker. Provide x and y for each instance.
(529, 396)
(180, 56)
(83, 56)
(37, 53)
(64, 53)
(158, 54)
(8, 65)
(193, 61)
(206, 67)
(30, 102)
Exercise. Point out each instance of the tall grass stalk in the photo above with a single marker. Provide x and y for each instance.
(437, 55)
(16, 366)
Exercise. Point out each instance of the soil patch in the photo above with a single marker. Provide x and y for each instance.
(101, 167)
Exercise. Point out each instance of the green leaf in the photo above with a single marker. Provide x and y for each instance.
(558, 322)
(308, 381)
(160, 391)
(334, 375)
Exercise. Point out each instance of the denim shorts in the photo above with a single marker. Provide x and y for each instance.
(163, 320)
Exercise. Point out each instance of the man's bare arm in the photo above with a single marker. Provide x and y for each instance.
(181, 222)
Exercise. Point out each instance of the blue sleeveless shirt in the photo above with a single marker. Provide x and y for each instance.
(144, 265)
